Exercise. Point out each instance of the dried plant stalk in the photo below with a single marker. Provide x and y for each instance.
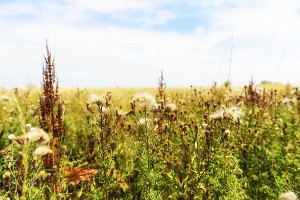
(51, 119)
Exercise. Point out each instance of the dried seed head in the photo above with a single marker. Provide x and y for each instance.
(227, 132)
(6, 175)
(41, 151)
(36, 134)
(43, 174)
(171, 106)
(288, 196)
(11, 137)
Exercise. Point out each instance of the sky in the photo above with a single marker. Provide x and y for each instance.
(127, 43)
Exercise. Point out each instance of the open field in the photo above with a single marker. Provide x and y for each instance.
(151, 143)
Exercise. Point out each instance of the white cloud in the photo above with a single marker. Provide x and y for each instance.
(265, 43)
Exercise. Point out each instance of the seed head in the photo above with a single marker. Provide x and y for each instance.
(36, 134)
(171, 106)
(11, 137)
(41, 151)
(288, 196)
(146, 99)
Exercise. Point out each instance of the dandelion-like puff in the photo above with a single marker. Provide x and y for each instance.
(234, 113)
(146, 99)
(41, 151)
(36, 134)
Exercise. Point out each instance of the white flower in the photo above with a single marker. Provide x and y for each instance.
(146, 99)
(41, 151)
(288, 196)
(11, 137)
(36, 134)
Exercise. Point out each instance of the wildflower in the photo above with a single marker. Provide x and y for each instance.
(36, 134)
(11, 137)
(41, 151)
(146, 99)
(288, 196)
(97, 99)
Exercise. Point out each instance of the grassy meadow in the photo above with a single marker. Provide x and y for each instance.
(215, 142)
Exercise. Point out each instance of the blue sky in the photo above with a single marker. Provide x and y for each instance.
(100, 43)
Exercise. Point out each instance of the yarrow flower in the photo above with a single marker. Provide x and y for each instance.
(288, 196)
(41, 151)
(36, 134)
